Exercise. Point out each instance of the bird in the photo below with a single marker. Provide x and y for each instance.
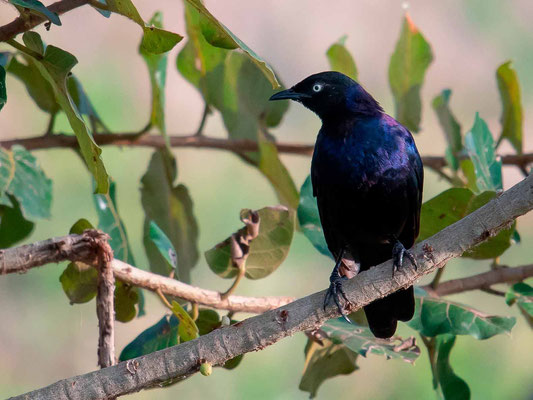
(367, 177)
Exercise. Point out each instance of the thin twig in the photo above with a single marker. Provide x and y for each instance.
(207, 111)
(490, 290)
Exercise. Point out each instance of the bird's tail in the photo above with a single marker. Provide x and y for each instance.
(383, 314)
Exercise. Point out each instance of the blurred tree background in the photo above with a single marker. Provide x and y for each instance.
(465, 46)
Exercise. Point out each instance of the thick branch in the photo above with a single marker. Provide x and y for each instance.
(486, 279)
(266, 329)
(200, 141)
(30, 21)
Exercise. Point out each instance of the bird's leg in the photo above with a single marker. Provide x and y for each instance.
(335, 288)
(398, 253)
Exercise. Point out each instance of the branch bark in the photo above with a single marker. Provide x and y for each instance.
(19, 25)
(200, 141)
(105, 306)
(307, 313)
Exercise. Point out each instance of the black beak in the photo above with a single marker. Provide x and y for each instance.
(288, 94)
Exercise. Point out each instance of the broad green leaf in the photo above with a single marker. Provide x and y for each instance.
(267, 250)
(37, 86)
(323, 362)
(33, 41)
(454, 204)
(522, 294)
(55, 66)
(22, 178)
(407, 69)
(187, 328)
(309, 218)
(159, 336)
(170, 207)
(126, 298)
(469, 171)
(220, 36)
(449, 124)
(155, 40)
(79, 282)
(512, 118)
(436, 316)
(13, 226)
(84, 105)
(110, 222)
(157, 68)
(445, 381)
(277, 174)
(164, 245)
(480, 147)
(360, 340)
(341, 60)
(39, 8)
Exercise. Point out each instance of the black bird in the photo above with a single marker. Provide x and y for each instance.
(367, 177)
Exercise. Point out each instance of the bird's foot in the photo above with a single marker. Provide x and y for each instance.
(335, 291)
(398, 253)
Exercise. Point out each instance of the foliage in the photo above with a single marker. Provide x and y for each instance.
(236, 82)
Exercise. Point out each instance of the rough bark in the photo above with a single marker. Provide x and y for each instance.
(307, 313)
(105, 307)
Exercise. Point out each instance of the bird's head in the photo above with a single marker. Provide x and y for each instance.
(332, 95)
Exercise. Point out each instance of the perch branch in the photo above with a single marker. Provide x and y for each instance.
(201, 141)
(307, 313)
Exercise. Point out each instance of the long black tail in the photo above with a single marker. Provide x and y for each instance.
(383, 314)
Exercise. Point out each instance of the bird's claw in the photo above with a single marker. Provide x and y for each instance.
(398, 253)
(334, 292)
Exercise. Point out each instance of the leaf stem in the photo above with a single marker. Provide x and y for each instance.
(50, 127)
(163, 298)
(436, 279)
(20, 47)
(240, 275)
(207, 111)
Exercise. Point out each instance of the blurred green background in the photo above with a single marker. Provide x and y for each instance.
(44, 339)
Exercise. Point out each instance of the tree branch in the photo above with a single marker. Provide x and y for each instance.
(105, 306)
(200, 141)
(499, 275)
(30, 21)
(307, 313)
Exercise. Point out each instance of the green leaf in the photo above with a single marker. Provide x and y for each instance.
(436, 316)
(467, 166)
(341, 60)
(171, 208)
(164, 245)
(445, 381)
(22, 178)
(187, 328)
(55, 66)
(38, 8)
(522, 294)
(324, 362)
(309, 218)
(84, 105)
(157, 68)
(33, 41)
(155, 40)
(80, 225)
(105, 13)
(454, 204)
(13, 226)
(207, 321)
(512, 118)
(407, 69)
(79, 282)
(159, 336)
(37, 86)
(220, 36)
(277, 174)
(126, 298)
(267, 250)
(360, 340)
(481, 149)
(449, 124)
(110, 222)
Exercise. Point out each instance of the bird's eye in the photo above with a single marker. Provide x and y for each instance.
(317, 87)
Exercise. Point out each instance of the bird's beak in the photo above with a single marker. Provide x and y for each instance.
(289, 94)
